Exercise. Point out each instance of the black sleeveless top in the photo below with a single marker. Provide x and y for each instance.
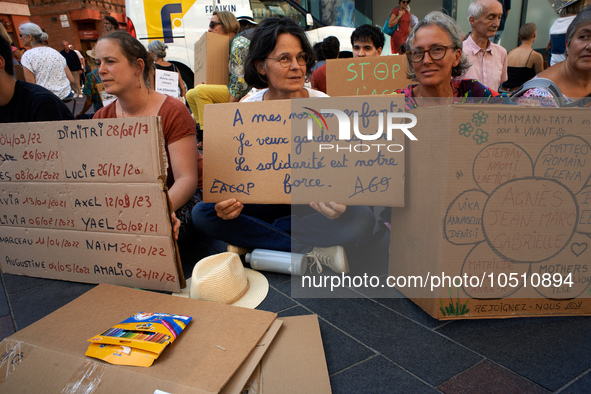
(517, 76)
(169, 68)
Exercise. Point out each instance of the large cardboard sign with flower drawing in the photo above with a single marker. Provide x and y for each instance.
(499, 222)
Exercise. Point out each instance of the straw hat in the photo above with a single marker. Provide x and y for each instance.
(91, 53)
(222, 278)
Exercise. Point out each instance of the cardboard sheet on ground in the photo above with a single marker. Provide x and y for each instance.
(500, 197)
(295, 361)
(242, 375)
(260, 152)
(366, 76)
(86, 201)
(201, 360)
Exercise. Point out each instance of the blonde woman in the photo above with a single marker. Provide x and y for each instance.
(225, 23)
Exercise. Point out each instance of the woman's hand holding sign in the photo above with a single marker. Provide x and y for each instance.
(332, 210)
(228, 209)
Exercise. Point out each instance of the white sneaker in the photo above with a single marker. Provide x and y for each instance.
(333, 257)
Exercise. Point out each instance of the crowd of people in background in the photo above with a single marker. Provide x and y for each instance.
(274, 60)
(71, 75)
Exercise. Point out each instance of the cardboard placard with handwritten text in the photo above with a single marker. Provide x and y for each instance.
(76, 203)
(366, 76)
(501, 200)
(167, 82)
(298, 151)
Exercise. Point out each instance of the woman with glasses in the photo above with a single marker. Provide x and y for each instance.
(400, 17)
(279, 59)
(278, 64)
(43, 65)
(434, 53)
(225, 23)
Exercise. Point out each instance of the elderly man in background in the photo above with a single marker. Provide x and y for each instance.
(488, 60)
(110, 24)
(73, 62)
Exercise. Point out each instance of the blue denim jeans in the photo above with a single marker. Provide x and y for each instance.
(287, 228)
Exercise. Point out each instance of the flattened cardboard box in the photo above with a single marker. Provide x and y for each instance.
(212, 54)
(262, 152)
(501, 197)
(242, 375)
(366, 76)
(48, 356)
(79, 205)
(295, 361)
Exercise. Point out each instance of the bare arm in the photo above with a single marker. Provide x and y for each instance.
(183, 160)
(29, 76)
(393, 20)
(182, 85)
(69, 75)
(87, 105)
(538, 63)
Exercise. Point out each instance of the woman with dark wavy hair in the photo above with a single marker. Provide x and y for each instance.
(279, 59)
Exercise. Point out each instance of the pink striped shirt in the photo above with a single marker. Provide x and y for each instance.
(488, 67)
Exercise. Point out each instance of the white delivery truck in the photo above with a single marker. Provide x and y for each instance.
(180, 23)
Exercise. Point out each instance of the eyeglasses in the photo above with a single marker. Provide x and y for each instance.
(213, 24)
(287, 60)
(436, 52)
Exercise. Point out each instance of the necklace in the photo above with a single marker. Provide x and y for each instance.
(418, 93)
(123, 115)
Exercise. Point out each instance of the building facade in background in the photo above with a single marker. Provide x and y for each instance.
(77, 21)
